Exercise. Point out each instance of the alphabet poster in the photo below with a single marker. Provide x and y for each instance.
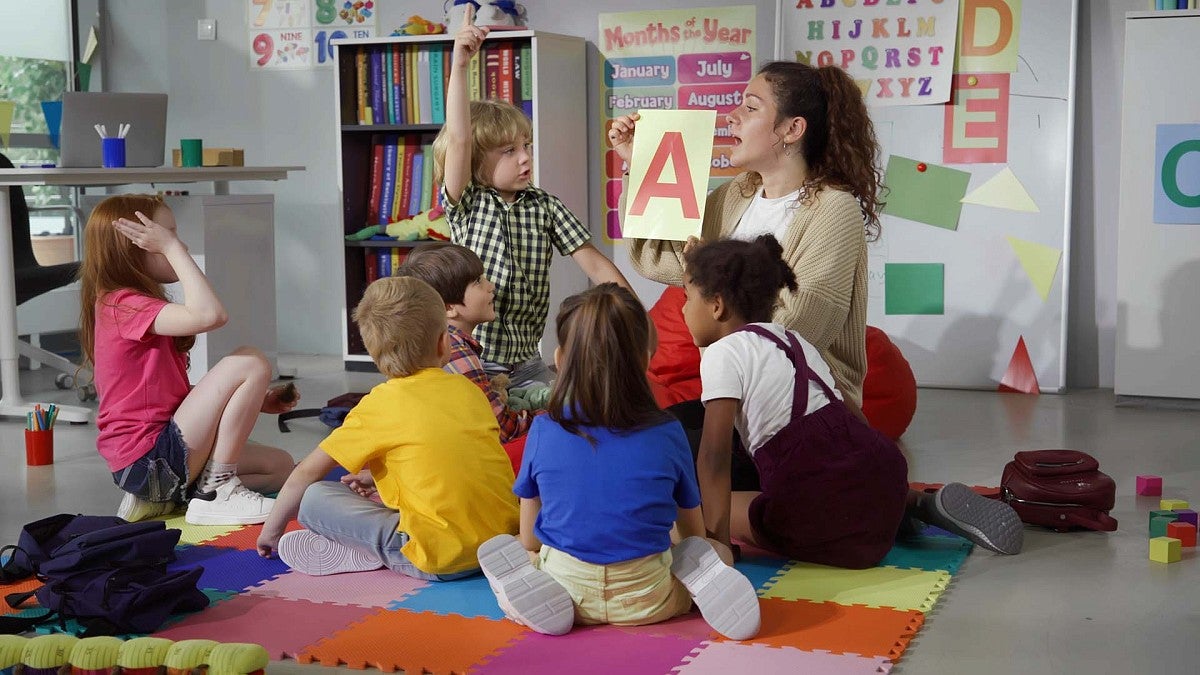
(899, 52)
(668, 174)
(685, 59)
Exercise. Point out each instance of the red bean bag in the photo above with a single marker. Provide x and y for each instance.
(675, 367)
(889, 388)
(515, 449)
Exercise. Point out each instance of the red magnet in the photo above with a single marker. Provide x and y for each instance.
(921, 167)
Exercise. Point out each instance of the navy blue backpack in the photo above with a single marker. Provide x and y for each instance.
(109, 575)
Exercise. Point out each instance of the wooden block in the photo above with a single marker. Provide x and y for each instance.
(1165, 550)
(1169, 515)
(1158, 526)
(1172, 504)
(1149, 485)
(1184, 532)
(1186, 516)
(228, 157)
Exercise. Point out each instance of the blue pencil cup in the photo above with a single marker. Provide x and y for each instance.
(112, 152)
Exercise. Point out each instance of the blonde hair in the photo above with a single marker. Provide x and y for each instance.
(111, 262)
(493, 124)
(401, 320)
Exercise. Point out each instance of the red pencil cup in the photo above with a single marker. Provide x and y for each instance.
(39, 447)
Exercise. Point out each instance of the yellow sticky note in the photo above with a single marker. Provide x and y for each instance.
(1003, 191)
(668, 174)
(1040, 263)
(6, 113)
(92, 43)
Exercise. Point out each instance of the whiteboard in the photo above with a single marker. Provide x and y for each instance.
(990, 300)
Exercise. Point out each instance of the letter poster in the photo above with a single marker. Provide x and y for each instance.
(680, 59)
(899, 52)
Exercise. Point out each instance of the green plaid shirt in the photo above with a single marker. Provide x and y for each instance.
(514, 242)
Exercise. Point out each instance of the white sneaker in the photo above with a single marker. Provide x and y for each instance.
(133, 508)
(726, 598)
(230, 504)
(527, 595)
(308, 552)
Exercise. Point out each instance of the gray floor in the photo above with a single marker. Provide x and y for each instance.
(1081, 602)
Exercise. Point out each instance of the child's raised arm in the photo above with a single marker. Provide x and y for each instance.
(201, 310)
(457, 169)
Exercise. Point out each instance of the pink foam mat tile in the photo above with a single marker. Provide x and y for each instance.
(283, 627)
(690, 626)
(591, 650)
(363, 589)
(722, 658)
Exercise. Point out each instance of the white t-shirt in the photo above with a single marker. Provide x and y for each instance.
(755, 371)
(767, 216)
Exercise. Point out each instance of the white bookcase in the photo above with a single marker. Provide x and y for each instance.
(559, 106)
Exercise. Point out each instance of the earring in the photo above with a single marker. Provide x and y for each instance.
(787, 150)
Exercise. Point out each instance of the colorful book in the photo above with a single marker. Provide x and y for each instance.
(383, 257)
(402, 79)
(427, 195)
(476, 76)
(388, 194)
(414, 190)
(369, 264)
(526, 72)
(397, 94)
(376, 189)
(410, 150)
(491, 70)
(414, 94)
(505, 87)
(424, 86)
(397, 259)
(375, 65)
(363, 85)
(397, 205)
(437, 92)
(388, 76)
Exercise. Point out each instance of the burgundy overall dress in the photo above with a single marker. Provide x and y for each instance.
(833, 488)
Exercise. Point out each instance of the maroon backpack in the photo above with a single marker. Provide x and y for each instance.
(1062, 489)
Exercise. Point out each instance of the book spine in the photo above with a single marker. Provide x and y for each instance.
(425, 86)
(402, 74)
(396, 259)
(372, 269)
(427, 196)
(414, 191)
(437, 92)
(362, 83)
(414, 93)
(397, 93)
(406, 178)
(397, 206)
(506, 72)
(491, 70)
(527, 72)
(384, 259)
(378, 112)
(389, 183)
(386, 85)
(476, 73)
(376, 182)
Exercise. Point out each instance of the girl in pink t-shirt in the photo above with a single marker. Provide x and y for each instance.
(165, 441)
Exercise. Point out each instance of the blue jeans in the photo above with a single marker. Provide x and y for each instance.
(334, 511)
(160, 475)
(522, 374)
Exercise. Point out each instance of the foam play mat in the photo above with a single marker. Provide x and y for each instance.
(814, 618)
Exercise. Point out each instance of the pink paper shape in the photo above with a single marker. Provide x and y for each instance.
(721, 658)
(598, 650)
(283, 627)
(364, 589)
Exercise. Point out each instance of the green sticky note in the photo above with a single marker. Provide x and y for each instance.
(925, 192)
(914, 288)
(84, 71)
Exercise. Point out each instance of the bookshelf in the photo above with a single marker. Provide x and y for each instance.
(542, 73)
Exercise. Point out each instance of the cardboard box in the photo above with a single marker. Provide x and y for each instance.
(215, 157)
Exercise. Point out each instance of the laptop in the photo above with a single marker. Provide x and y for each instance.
(146, 115)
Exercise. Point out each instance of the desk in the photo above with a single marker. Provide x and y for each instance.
(11, 401)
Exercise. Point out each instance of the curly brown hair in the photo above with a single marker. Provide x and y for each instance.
(839, 144)
(748, 275)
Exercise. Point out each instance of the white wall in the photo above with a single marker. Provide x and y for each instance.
(287, 118)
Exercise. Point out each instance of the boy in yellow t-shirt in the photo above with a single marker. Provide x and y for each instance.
(430, 443)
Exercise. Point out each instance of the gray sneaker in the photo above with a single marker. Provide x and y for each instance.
(134, 508)
(725, 596)
(527, 595)
(990, 523)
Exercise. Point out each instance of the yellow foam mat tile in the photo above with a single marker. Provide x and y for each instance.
(198, 534)
(901, 589)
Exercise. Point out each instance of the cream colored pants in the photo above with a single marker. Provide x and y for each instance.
(631, 593)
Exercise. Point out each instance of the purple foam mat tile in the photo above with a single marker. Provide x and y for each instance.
(591, 650)
(228, 569)
(721, 658)
(283, 627)
(379, 588)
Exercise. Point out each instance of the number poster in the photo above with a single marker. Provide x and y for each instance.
(295, 34)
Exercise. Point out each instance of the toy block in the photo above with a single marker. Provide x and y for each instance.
(1186, 516)
(1184, 532)
(1164, 550)
(1149, 485)
(1158, 526)
(1170, 515)
(1172, 504)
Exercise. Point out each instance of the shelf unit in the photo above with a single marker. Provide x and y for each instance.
(559, 114)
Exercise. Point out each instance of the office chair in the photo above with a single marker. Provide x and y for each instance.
(32, 279)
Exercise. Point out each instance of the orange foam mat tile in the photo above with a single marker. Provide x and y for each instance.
(848, 629)
(246, 538)
(414, 642)
(23, 586)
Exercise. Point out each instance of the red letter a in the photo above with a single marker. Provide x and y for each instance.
(682, 189)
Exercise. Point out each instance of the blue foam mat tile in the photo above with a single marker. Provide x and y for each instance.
(931, 554)
(470, 597)
(760, 569)
(228, 569)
